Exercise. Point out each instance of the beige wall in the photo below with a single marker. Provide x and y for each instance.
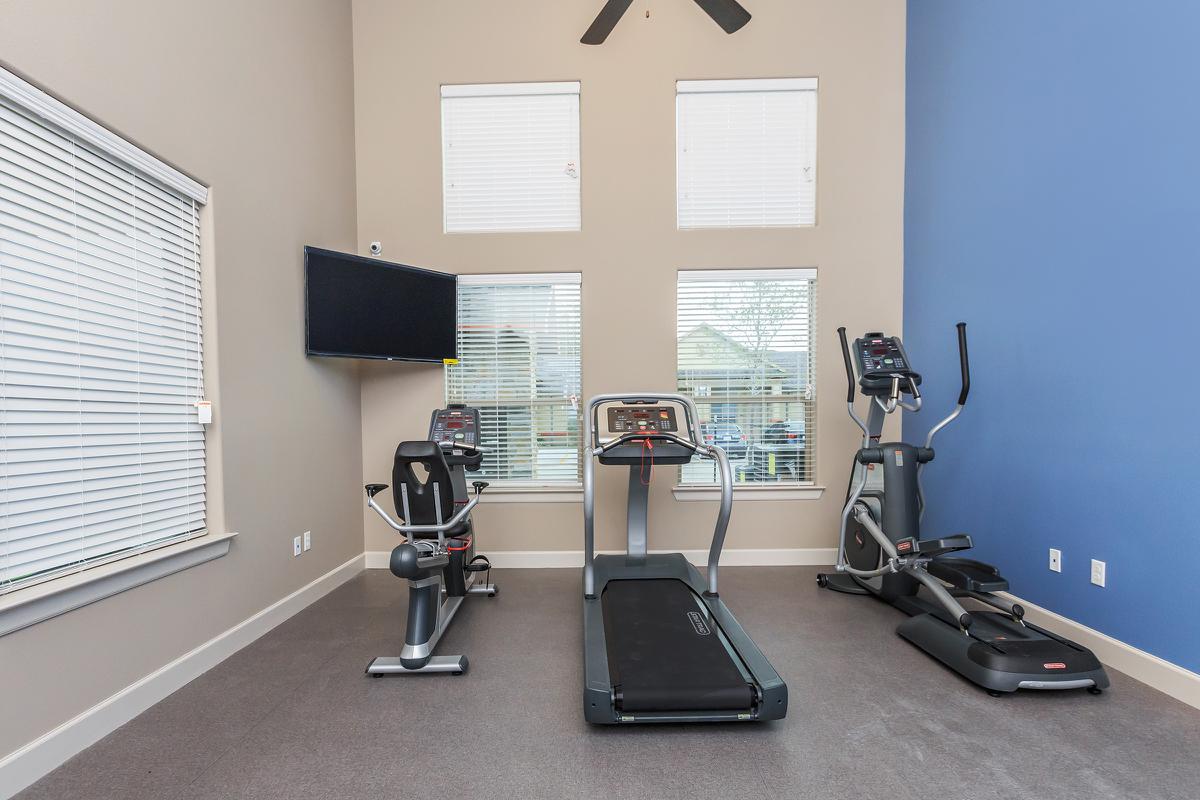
(254, 99)
(404, 51)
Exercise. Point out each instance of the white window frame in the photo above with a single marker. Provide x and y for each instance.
(691, 170)
(519, 197)
(63, 590)
(807, 489)
(516, 490)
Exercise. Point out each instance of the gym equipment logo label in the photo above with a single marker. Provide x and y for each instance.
(698, 623)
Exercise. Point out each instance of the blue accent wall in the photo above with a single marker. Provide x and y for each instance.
(1052, 201)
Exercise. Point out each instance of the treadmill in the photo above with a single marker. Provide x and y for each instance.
(659, 643)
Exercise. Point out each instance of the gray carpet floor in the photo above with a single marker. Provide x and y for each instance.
(293, 715)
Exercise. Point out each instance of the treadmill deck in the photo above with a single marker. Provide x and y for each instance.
(666, 653)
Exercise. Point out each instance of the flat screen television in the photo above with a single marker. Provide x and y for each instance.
(359, 307)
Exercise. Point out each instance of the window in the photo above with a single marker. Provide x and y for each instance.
(519, 364)
(100, 344)
(746, 153)
(510, 157)
(745, 355)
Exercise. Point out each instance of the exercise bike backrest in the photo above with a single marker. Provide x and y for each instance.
(430, 499)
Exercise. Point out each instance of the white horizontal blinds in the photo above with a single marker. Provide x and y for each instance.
(510, 157)
(519, 364)
(746, 153)
(100, 355)
(745, 354)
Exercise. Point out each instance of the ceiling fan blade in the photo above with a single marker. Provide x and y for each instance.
(605, 21)
(729, 14)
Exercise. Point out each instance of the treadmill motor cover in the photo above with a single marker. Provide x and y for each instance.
(665, 653)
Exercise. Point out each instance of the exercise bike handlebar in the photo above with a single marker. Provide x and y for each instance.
(404, 527)
(462, 446)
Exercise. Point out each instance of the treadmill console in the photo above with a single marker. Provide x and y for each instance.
(631, 419)
(618, 418)
(457, 425)
(879, 358)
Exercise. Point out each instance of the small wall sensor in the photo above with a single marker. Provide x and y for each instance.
(376, 248)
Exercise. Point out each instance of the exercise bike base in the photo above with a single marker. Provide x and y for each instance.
(390, 665)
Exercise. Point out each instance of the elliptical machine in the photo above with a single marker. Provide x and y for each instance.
(881, 551)
(437, 557)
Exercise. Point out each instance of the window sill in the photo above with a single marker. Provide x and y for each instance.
(752, 493)
(532, 494)
(44, 601)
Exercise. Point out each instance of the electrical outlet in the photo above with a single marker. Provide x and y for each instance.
(296, 545)
(1055, 560)
(307, 541)
(1098, 570)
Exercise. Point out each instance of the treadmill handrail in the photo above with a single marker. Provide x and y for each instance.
(638, 436)
(593, 448)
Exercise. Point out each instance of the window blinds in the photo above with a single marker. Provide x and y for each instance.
(510, 157)
(745, 354)
(746, 153)
(100, 346)
(519, 364)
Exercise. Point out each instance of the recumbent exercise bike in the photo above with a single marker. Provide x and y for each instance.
(437, 557)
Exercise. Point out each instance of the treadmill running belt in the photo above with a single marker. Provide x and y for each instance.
(664, 653)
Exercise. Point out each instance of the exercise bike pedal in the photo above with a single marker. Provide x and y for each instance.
(478, 564)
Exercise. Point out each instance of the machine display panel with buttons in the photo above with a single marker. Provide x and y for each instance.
(881, 359)
(881, 354)
(454, 426)
(632, 419)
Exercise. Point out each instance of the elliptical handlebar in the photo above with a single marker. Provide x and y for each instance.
(849, 365)
(964, 364)
(850, 386)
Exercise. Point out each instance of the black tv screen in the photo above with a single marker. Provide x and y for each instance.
(365, 308)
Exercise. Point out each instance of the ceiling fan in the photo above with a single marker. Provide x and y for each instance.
(729, 14)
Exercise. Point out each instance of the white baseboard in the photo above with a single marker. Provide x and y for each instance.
(561, 559)
(1168, 678)
(22, 767)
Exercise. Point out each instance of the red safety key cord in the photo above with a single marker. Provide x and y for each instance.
(644, 475)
